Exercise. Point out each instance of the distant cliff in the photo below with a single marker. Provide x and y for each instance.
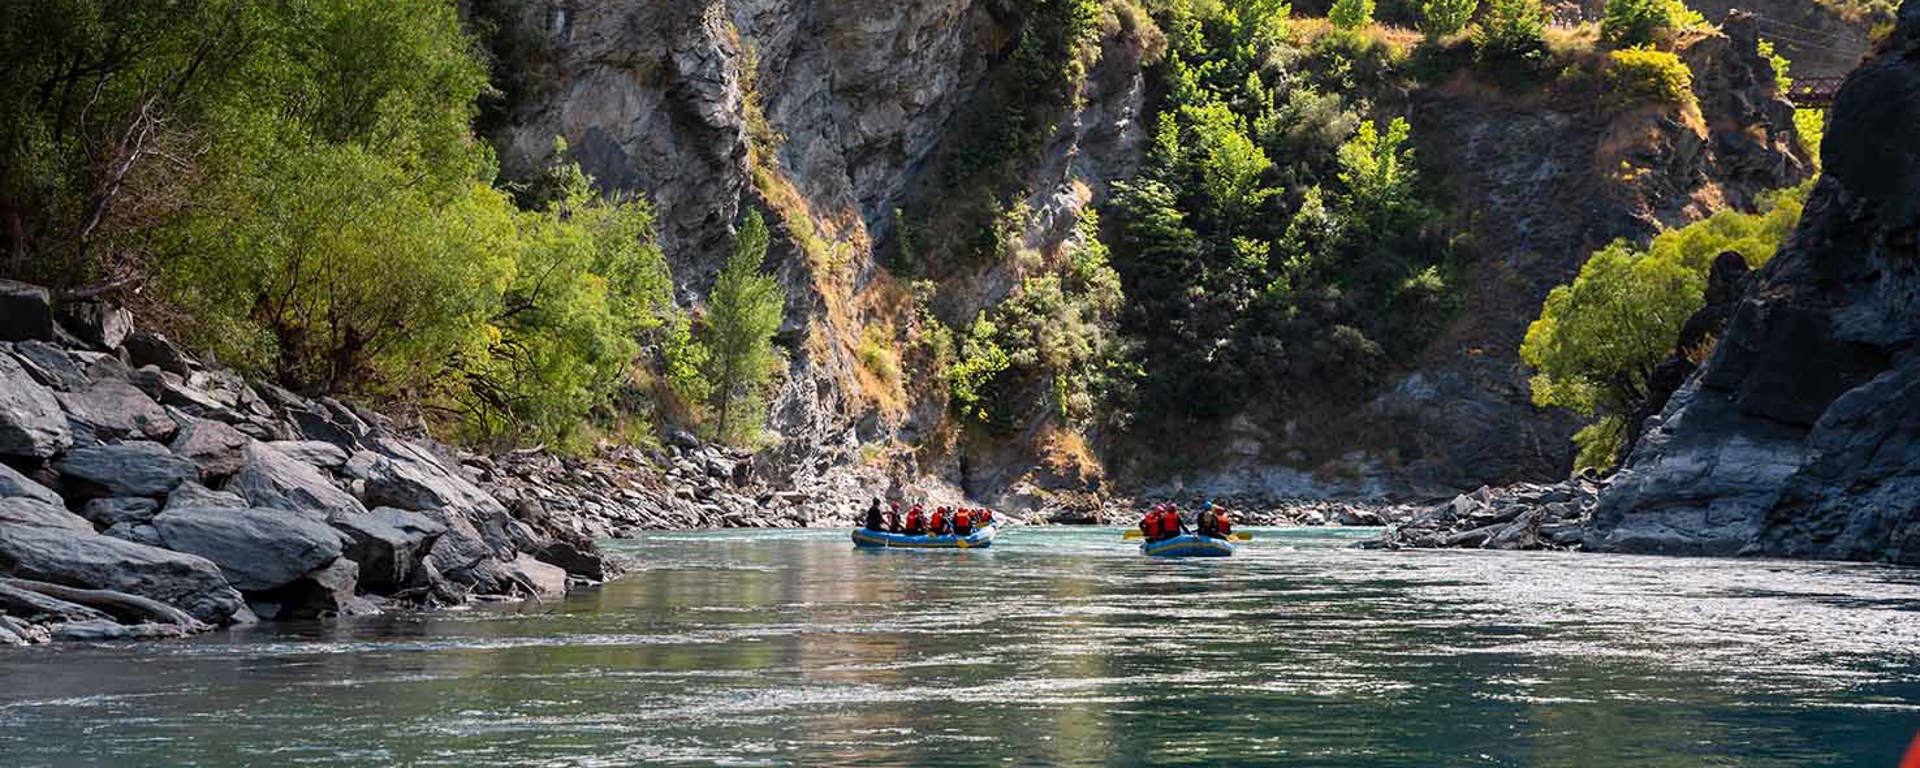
(833, 117)
(1800, 436)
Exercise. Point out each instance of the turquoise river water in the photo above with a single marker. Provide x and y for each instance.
(1056, 647)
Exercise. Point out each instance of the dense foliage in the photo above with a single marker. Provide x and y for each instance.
(301, 183)
(1600, 337)
(1646, 75)
(1277, 244)
(1440, 18)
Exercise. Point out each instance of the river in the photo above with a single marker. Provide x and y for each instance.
(1057, 647)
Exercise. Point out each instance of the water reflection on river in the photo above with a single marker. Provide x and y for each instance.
(1057, 647)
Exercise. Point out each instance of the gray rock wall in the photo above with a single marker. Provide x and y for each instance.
(1800, 436)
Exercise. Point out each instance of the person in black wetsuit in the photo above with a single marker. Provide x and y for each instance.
(875, 522)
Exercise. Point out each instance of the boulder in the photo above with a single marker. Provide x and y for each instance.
(464, 557)
(269, 478)
(31, 424)
(97, 322)
(192, 494)
(211, 445)
(389, 544)
(543, 581)
(91, 561)
(109, 512)
(51, 365)
(33, 512)
(26, 312)
(116, 409)
(16, 485)
(575, 560)
(325, 592)
(409, 477)
(147, 348)
(319, 453)
(137, 468)
(257, 549)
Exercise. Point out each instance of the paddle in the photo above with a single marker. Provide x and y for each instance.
(1235, 536)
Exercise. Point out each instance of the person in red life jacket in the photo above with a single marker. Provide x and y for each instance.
(1170, 523)
(963, 522)
(982, 517)
(916, 521)
(1150, 524)
(893, 517)
(1222, 525)
(937, 525)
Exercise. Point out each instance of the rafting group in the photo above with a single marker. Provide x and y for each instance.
(944, 528)
(1165, 532)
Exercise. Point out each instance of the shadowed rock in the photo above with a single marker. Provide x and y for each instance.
(257, 549)
(91, 561)
(136, 468)
(31, 424)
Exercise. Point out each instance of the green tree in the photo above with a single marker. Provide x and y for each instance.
(1634, 23)
(1600, 337)
(1440, 18)
(1351, 14)
(1598, 340)
(1513, 29)
(743, 315)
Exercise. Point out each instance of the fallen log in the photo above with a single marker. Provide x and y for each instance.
(131, 609)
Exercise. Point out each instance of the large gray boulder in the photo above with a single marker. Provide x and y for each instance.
(213, 446)
(114, 409)
(97, 322)
(464, 557)
(319, 453)
(410, 477)
(92, 561)
(148, 348)
(326, 592)
(23, 511)
(51, 365)
(269, 478)
(137, 468)
(540, 580)
(389, 544)
(257, 549)
(26, 312)
(31, 424)
(13, 484)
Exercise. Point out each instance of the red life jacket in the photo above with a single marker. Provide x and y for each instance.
(939, 519)
(962, 520)
(986, 516)
(1222, 524)
(1150, 524)
(916, 520)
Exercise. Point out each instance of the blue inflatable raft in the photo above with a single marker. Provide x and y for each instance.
(1188, 546)
(981, 538)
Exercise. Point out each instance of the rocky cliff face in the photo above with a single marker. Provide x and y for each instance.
(1800, 436)
(831, 116)
(1549, 176)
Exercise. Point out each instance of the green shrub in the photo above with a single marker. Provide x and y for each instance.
(1350, 14)
(875, 351)
(1634, 23)
(1440, 18)
(1645, 75)
(1513, 29)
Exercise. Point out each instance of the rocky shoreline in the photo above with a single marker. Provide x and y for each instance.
(144, 494)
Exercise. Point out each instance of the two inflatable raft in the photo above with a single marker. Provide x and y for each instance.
(1188, 546)
(981, 538)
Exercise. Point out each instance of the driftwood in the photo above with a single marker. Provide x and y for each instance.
(34, 606)
(132, 609)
